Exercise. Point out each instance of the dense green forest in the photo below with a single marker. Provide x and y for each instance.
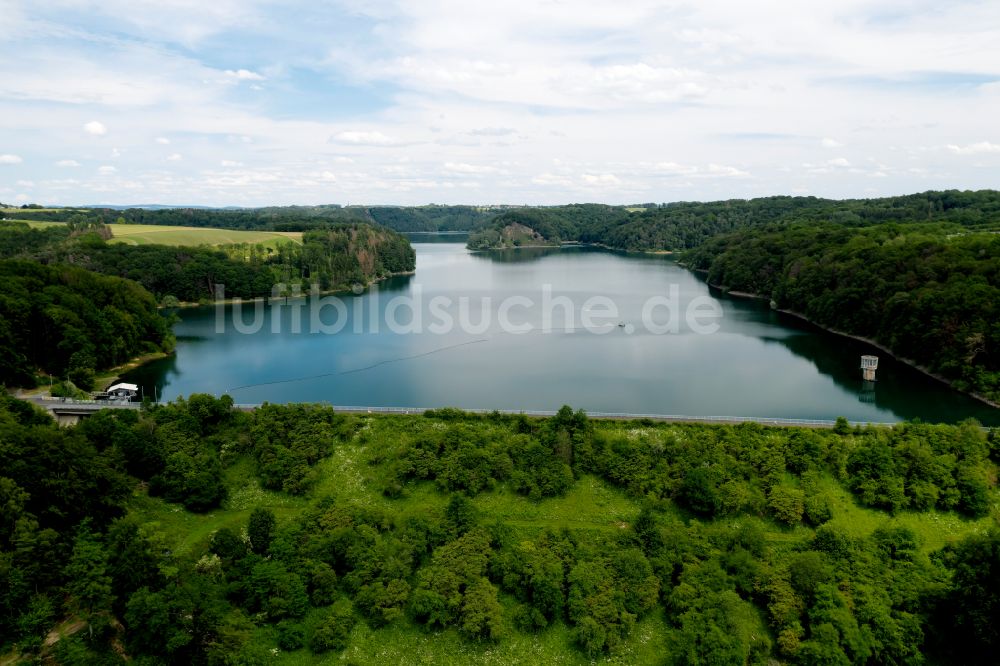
(929, 295)
(278, 218)
(432, 218)
(685, 225)
(333, 257)
(553, 225)
(195, 533)
(69, 322)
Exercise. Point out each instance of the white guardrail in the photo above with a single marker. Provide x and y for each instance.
(820, 423)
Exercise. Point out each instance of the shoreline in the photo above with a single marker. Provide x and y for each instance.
(269, 298)
(107, 380)
(868, 341)
(113, 375)
(562, 244)
(618, 249)
(102, 379)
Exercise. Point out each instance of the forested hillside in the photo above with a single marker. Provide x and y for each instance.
(431, 218)
(685, 225)
(552, 225)
(928, 295)
(333, 257)
(69, 322)
(193, 533)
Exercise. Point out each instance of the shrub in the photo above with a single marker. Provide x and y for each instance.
(334, 630)
(786, 503)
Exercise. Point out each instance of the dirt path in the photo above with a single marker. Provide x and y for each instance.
(67, 628)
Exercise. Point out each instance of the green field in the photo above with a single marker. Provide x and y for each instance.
(146, 234)
(40, 225)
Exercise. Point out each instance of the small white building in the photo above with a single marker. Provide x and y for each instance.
(122, 391)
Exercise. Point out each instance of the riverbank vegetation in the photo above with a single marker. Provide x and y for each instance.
(195, 533)
(930, 296)
(332, 257)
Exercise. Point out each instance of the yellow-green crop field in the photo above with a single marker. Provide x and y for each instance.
(143, 234)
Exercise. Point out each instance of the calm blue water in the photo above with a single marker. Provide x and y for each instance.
(759, 363)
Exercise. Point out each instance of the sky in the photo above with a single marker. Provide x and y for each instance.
(253, 102)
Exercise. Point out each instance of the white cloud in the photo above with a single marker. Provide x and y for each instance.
(641, 82)
(550, 179)
(725, 171)
(667, 100)
(106, 170)
(174, 157)
(7, 158)
(674, 169)
(25, 183)
(95, 128)
(67, 163)
(365, 138)
(603, 179)
(243, 75)
(975, 148)
(462, 167)
(492, 131)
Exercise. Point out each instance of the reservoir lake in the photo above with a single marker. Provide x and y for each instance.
(758, 362)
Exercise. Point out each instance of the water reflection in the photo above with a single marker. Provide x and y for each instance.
(425, 237)
(760, 363)
(520, 255)
(899, 387)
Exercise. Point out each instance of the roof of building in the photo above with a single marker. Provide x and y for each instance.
(123, 387)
